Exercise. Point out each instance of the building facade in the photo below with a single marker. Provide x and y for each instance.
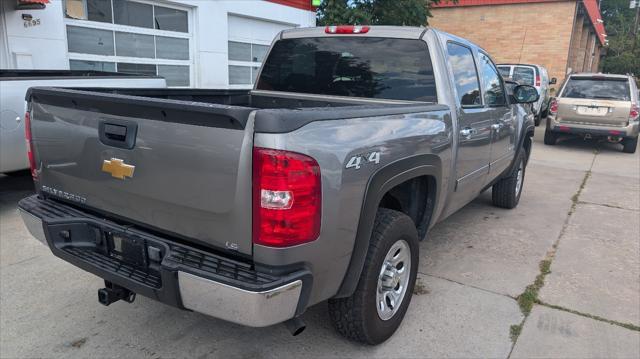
(564, 36)
(192, 43)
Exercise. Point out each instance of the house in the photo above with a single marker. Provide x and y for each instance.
(562, 35)
(192, 43)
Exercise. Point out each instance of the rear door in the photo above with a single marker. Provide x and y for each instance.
(474, 125)
(595, 100)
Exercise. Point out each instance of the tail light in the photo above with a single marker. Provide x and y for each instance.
(553, 107)
(346, 29)
(634, 113)
(286, 198)
(537, 80)
(29, 139)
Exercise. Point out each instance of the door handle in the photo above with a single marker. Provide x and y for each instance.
(467, 132)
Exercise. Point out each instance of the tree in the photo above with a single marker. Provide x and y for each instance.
(375, 12)
(623, 52)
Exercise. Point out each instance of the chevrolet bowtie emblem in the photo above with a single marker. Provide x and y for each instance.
(118, 168)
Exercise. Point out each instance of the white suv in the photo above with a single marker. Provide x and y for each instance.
(533, 75)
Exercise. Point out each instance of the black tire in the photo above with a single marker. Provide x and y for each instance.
(537, 119)
(629, 145)
(550, 138)
(356, 317)
(506, 193)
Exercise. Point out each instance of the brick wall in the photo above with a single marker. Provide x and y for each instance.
(538, 33)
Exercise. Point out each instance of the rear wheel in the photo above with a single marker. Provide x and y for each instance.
(376, 309)
(629, 144)
(550, 138)
(537, 119)
(506, 193)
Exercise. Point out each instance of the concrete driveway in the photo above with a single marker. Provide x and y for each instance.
(557, 277)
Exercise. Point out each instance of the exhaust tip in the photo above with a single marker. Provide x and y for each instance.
(295, 326)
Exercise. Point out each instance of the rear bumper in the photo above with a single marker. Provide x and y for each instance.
(630, 130)
(178, 275)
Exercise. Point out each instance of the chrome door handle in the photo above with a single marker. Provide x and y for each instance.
(467, 132)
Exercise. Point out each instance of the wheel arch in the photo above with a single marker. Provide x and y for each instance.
(379, 184)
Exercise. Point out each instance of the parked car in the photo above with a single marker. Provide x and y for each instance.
(596, 106)
(534, 75)
(13, 87)
(253, 205)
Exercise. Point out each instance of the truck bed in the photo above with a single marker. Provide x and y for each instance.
(189, 152)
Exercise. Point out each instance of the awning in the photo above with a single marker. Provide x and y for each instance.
(31, 4)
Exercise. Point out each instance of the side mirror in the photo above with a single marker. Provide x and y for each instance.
(525, 94)
(553, 81)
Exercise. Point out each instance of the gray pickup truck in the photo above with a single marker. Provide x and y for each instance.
(253, 205)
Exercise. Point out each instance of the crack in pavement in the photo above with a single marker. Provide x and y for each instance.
(530, 295)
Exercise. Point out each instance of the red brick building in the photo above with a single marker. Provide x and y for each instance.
(562, 35)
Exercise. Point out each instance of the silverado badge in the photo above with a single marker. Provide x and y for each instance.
(118, 168)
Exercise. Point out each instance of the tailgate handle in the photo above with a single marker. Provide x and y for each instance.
(121, 134)
(115, 132)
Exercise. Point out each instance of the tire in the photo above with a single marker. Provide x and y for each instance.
(537, 119)
(357, 317)
(550, 138)
(506, 192)
(629, 145)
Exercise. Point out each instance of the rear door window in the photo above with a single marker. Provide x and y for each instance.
(597, 88)
(398, 69)
(523, 75)
(464, 74)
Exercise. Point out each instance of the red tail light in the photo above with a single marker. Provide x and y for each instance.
(553, 106)
(28, 138)
(286, 198)
(634, 114)
(346, 29)
(537, 80)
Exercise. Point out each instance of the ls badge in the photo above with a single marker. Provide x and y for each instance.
(118, 168)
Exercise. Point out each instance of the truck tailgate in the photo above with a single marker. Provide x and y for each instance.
(179, 167)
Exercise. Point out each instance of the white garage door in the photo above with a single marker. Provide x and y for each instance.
(249, 41)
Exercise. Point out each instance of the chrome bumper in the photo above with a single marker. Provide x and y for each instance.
(34, 226)
(216, 299)
(254, 309)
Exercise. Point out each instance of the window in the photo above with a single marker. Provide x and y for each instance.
(523, 75)
(597, 88)
(504, 71)
(351, 66)
(133, 14)
(492, 86)
(92, 65)
(170, 19)
(90, 41)
(246, 60)
(464, 74)
(130, 36)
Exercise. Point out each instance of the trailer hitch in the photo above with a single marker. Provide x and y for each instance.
(113, 293)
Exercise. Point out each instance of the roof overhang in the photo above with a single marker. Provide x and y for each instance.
(31, 4)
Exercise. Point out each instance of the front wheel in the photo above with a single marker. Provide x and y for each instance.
(375, 310)
(506, 192)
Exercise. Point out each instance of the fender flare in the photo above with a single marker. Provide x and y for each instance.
(379, 183)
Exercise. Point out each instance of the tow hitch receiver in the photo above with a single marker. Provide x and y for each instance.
(113, 293)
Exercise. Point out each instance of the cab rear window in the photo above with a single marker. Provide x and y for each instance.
(398, 69)
(597, 88)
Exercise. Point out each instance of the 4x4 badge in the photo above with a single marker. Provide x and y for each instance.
(117, 168)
